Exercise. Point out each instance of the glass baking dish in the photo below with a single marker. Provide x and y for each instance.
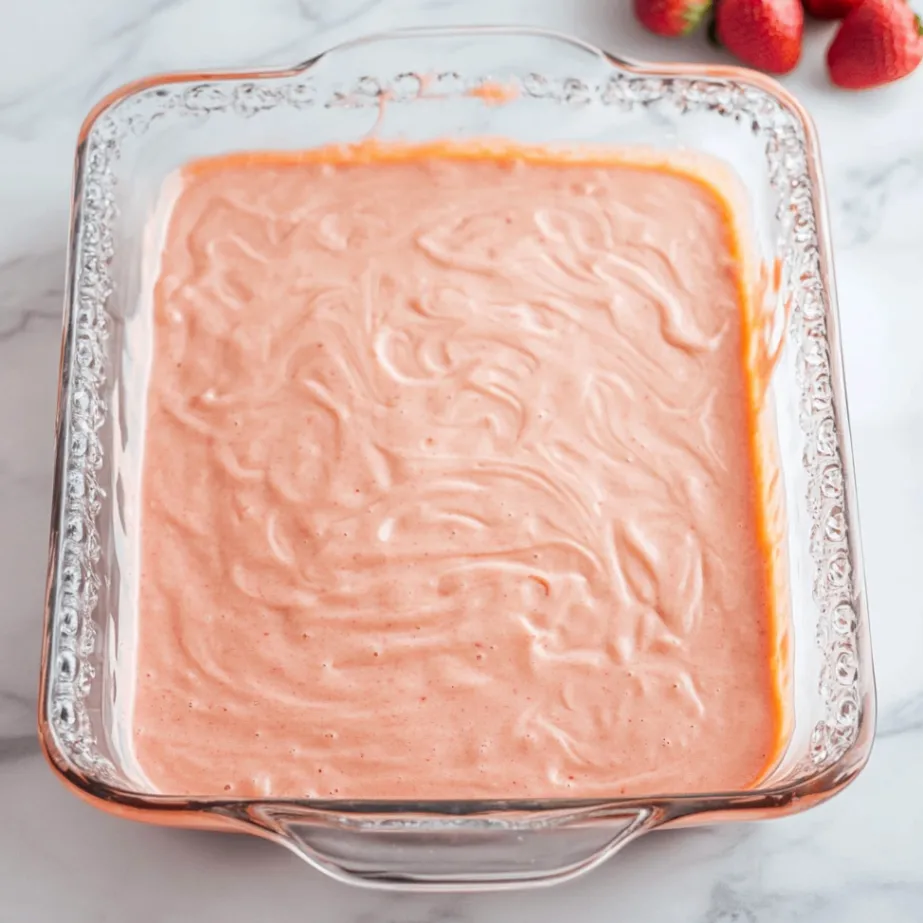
(529, 87)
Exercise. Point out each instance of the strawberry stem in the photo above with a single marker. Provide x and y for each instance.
(919, 24)
(695, 14)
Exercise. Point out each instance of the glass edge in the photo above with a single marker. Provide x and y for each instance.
(782, 799)
(838, 373)
(817, 787)
(613, 59)
(859, 601)
(48, 739)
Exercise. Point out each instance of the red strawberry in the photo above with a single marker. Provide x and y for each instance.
(671, 17)
(877, 43)
(766, 34)
(830, 9)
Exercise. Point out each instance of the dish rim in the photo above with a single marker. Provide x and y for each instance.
(668, 807)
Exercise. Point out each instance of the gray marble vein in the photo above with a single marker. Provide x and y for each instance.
(857, 859)
(16, 748)
(905, 717)
(873, 191)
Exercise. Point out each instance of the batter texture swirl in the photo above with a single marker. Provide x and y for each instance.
(449, 484)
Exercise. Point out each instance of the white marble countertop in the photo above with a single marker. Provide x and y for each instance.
(860, 857)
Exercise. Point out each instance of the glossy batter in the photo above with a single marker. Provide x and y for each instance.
(449, 484)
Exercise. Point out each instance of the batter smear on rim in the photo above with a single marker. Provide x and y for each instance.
(450, 487)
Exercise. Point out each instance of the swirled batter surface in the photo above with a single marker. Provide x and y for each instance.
(449, 485)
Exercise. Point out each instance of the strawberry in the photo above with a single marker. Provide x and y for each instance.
(830, 9)
(766, 34)
(671, 17)
(877, 43)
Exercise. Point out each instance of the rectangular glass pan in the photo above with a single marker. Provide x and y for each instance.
(419, 86)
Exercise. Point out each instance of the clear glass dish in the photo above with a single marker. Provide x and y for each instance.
(418, 86)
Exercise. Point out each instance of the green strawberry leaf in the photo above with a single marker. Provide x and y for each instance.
(694, 14)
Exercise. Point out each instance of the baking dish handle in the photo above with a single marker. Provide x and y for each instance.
(455, 853)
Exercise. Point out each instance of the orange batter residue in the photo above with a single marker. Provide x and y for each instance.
(450, 487)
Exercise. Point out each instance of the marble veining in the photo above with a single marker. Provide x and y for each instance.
(858, 858)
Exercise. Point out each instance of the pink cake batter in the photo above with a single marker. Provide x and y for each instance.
(449, 484)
